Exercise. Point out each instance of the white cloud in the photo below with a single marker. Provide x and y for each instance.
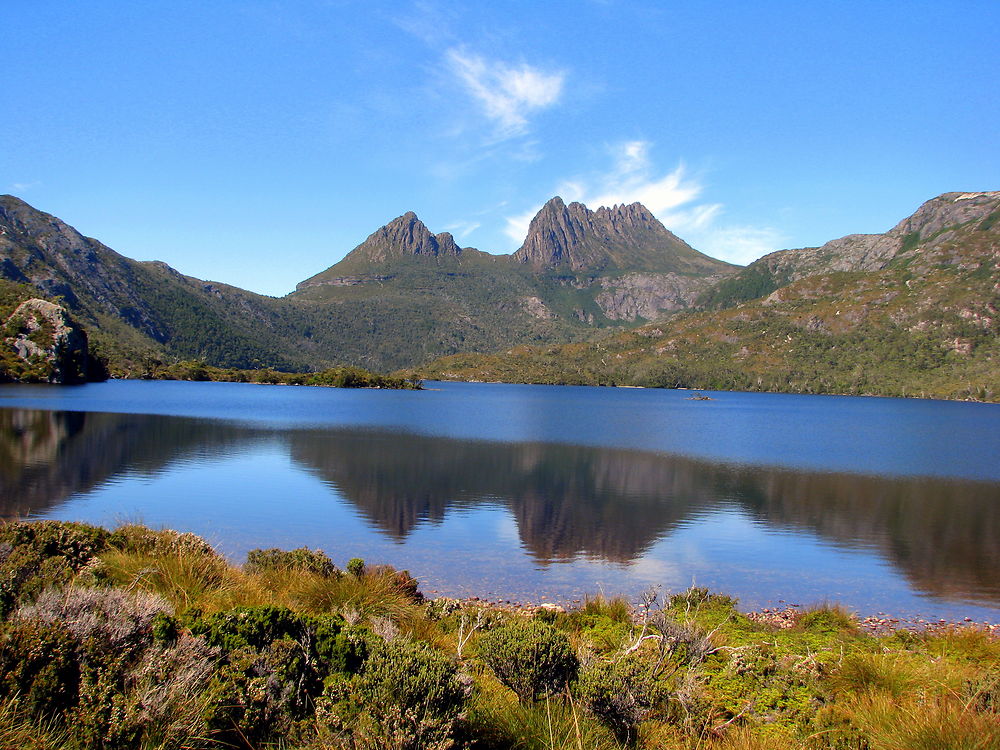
(507, 94)
(671, 197)
(737, 244)
(463, 229)
(21, 187)
(517, 226)
(632, 179)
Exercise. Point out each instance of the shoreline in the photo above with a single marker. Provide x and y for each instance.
(781, 618)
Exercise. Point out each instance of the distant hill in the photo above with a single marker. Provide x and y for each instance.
(135, 311)
(913, 311)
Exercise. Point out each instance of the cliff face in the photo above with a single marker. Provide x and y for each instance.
(43, 344)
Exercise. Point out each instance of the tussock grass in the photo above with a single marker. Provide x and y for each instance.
(937, 724)
(18, 730)
(829, 619)
(616, 608)
(497, 719)
(186, 579)
(374, 594)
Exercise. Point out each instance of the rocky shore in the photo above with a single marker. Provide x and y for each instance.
(782, 618)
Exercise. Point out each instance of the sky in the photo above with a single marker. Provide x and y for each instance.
(256, 142)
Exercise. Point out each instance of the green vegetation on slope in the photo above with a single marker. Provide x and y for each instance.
(332, 377)
(147, 639)
(924, 326)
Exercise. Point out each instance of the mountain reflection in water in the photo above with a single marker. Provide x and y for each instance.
(567, 501)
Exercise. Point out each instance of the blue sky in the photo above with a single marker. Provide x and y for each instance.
(257, 142)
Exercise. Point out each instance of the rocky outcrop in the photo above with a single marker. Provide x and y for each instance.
(649, 295)
(954, 229)
(46, 344)
(622, 237)
(936, 222)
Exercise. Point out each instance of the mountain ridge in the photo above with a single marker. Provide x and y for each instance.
(925, 294)
(404, 295)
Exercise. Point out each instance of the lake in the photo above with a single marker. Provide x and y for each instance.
(531, 492)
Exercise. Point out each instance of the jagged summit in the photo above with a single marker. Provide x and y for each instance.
(405, 235)
(625, 237)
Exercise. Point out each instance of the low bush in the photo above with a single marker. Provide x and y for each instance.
(39, 554)
(621, 692)
(408, 696)
(39, 666)
(301, 559)
(530, 657)
(90, 656)
(137, 539)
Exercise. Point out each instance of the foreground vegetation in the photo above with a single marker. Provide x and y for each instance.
(137, 638)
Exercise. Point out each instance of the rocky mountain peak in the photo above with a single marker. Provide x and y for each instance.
(623, 237)
(556, 231)
(405, 235)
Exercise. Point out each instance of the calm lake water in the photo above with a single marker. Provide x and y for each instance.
(520, 492)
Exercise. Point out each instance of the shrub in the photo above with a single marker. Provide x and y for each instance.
(530, 657)
(256, 695)
(321, 647)
(356, 567)
(90, 656)
(39, 666)
(39, 554)
(136, 539)
(112, 621)
(410, 697)
(698, 596)
(620, 693)
(301, 559)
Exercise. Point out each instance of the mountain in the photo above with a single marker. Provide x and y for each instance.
(620, 238)
(403, 296)
(591, 297)
(913, 311)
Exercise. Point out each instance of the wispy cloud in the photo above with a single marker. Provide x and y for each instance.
(672, 197)
(736, 244)
(632, 178)
(507, 94)
(463, 229)
(21, 187)
(517, 226)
